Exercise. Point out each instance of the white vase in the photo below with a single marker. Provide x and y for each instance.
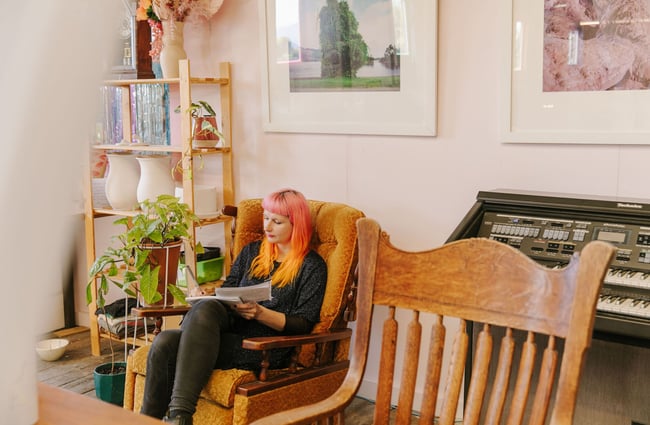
(155, 177)
(172, 48)
(122, 181)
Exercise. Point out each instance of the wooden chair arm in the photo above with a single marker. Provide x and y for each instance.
(229, 210)
(264, 344)
(284, 341)
(314, 413)
(160, 311)
(293, 374)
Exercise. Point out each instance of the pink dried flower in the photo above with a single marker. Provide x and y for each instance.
(156, 39)
(182, 10)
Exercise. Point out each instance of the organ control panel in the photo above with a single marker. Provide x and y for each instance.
(550, 228)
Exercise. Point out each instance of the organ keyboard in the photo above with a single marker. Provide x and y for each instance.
(550, 228)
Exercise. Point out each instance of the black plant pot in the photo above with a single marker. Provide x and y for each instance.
(109, 387)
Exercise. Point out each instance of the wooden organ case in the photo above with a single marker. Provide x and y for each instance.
(550, 228)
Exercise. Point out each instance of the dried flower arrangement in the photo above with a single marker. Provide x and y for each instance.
(182, 10)
(155, 11)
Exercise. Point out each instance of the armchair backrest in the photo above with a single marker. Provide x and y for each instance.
(334, 238)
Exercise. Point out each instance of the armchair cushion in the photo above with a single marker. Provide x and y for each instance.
(220, 388)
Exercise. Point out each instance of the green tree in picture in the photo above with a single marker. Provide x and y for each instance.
(344, 49)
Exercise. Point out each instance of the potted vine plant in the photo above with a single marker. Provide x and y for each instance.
(205, 133)
(157, 231)
(109, 378)
(151, 240)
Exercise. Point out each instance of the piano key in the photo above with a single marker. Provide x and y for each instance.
(624, 306)
(623, 277)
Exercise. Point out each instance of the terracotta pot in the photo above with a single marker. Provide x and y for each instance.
(167, 258)
(204, 138)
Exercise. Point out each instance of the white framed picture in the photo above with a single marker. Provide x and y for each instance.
(356, 67)
(576, 72)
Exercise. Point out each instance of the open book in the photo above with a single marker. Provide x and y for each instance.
(238, 295)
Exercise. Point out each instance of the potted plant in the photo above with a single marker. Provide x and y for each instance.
(156, 231)
(151, 240)
(109, 378)
(205, 133)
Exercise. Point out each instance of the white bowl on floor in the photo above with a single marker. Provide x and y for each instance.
(51, 349)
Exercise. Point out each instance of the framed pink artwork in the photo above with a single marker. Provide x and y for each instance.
(576, 72)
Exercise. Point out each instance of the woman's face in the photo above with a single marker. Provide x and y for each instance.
(277, 228)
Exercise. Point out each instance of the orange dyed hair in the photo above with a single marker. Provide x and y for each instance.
(292, 204)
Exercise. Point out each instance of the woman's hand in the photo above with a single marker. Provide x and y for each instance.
(248, 311)
(271, 318)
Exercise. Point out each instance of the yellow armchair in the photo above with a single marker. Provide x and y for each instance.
(237, 396)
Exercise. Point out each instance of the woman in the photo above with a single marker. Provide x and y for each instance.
(180, 361)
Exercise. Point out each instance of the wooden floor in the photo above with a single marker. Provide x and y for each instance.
(74, 372)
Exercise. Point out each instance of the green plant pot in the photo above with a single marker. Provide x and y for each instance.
(110, 387)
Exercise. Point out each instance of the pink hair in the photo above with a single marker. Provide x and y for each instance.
(292, 204)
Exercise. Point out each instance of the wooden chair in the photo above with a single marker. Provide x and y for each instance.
(239, 396)
(493, 286)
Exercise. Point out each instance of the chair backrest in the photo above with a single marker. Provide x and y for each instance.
(489, 284)
(334, 238)
(492, 286)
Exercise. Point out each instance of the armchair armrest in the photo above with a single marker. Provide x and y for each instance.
(268, 343)
(264, 344)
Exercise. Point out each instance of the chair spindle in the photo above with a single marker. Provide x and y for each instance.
(434, 366)
(386, 369)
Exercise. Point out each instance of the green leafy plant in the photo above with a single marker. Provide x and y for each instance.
(202, 109)
(160, 222)
(204, 132)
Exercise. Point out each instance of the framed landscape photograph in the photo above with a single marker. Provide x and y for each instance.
(576, 72)
(351, 67)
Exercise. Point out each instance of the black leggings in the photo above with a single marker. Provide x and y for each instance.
(181, 361)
